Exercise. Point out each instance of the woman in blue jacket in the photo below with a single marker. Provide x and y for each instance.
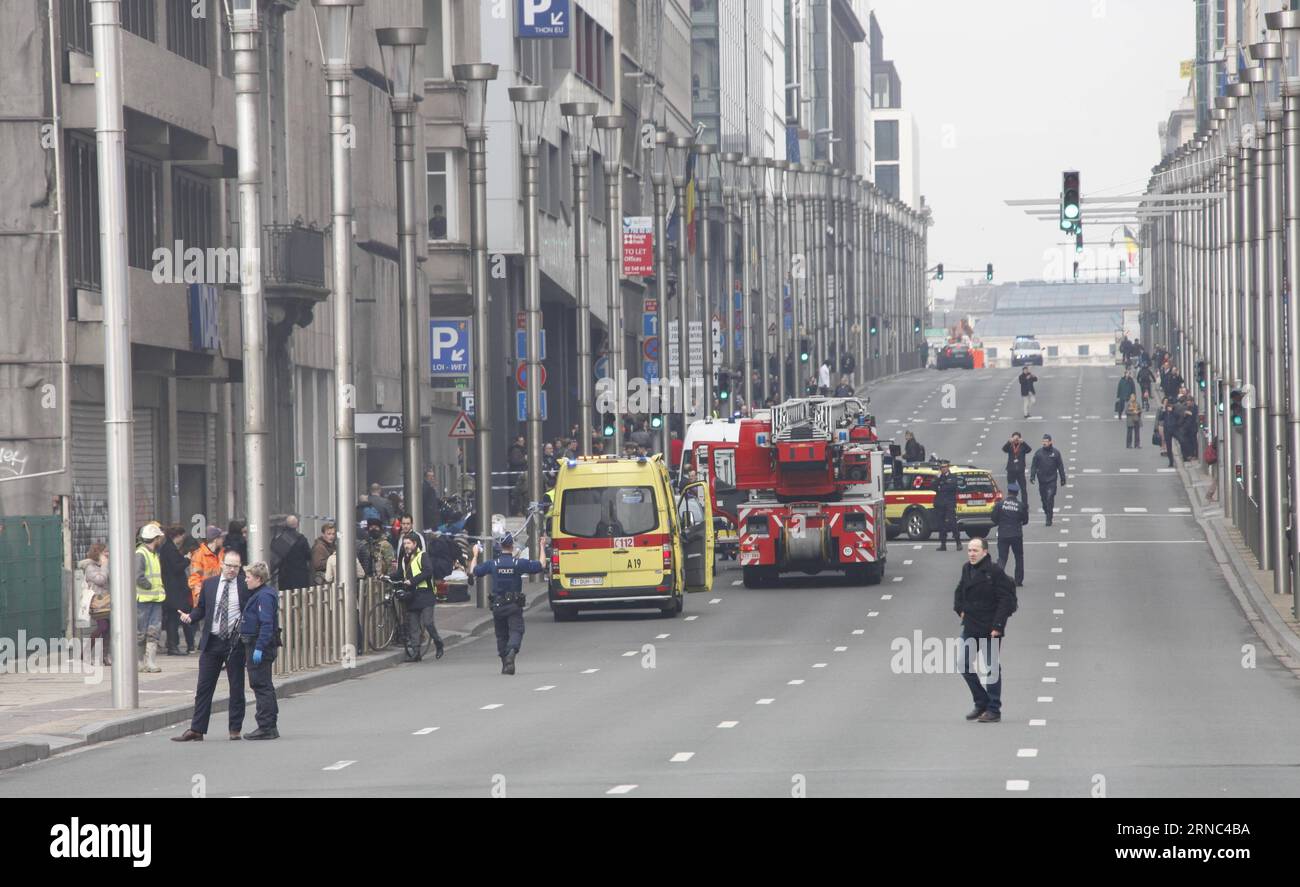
(259, 629)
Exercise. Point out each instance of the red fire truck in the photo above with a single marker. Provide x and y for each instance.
(804, 483)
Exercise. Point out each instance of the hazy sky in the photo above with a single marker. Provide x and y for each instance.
(1008, 93)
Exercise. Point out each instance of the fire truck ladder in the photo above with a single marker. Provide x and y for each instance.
(813, 418)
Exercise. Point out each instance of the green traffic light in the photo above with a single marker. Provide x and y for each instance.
(723, 395)
(656, 421)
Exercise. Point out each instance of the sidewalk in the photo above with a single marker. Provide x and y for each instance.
(44, 714)
(1270, 614)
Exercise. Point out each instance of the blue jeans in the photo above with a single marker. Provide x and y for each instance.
(148, 621)
(987, 697)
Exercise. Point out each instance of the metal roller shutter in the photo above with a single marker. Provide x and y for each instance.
(192, 438)
(90, 474)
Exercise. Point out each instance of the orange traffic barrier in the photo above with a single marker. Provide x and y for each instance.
(977, 354)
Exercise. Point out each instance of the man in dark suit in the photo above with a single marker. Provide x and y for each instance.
(221, 601)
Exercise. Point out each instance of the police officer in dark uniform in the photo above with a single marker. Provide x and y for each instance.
(1045, 468)
(507, 599)
(945, 507)
(1010, 516)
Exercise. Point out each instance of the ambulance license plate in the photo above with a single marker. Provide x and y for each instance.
(586, 580)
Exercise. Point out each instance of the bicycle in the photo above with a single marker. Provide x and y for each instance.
(388, 622)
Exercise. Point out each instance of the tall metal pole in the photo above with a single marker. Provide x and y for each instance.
(579, 115)
(822, 289)
(779, 262)
(1275, 462)
(338, 82)
(610, 131)
(747, 285)
(476, 77)
(1259, 414)
(245, 31)
(729, 161)
(1231, 373)
(704, 154)
(1289, 22)
(841, 275)
(110, 152)
(759, 185)
(660, 184)
(793, 267)
(684, 288)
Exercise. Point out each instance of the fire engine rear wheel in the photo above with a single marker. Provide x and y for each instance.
(755, 577)
(917, 524)
(873, 573)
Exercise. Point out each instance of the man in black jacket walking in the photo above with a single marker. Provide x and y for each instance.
(984, 600)
(1027, 380)
(945, 507)
(1010, 517)
(1017, 453)
(1044, 470)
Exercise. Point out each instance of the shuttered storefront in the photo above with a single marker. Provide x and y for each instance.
(90, 474)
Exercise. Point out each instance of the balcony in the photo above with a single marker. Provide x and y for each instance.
(293, 272)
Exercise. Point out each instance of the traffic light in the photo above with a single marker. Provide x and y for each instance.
(916, 324)
(874, 328)
(988, 271)
(1238, 411)
(656, 421)
(938, 275)
(724, 385)
(1076, 270)
(607, 424)
(803, 350)
(1078, 241)
(1200, 374)
(1071, 206)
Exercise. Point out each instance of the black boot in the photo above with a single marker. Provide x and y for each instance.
(503, 665)
(508, 664)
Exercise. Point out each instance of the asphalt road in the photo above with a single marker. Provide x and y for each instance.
(1123, 667)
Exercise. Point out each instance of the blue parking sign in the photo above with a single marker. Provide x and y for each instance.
(543, 18)
(449, 346)
(521, 405)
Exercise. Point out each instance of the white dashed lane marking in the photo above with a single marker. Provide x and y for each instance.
(1017, 785)
(339, 765)
(727, 725)
(424, 731)
(681, 757)
(1027, 753)
(796, 682)
(491, 705)
(620, 789)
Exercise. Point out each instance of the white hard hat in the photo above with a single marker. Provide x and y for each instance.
(150, 532)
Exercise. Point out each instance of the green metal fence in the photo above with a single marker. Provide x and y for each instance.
(31, 576)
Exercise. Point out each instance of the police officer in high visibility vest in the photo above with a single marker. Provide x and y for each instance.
(507, 598)
(149, 595)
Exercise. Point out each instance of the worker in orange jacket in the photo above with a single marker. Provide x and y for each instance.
(205, 562)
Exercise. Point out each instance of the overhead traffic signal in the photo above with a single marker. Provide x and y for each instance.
(938, 272)
(1071, 205)
(1238, 411)
(988, 271)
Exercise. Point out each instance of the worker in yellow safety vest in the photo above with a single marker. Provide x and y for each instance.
(149, 594)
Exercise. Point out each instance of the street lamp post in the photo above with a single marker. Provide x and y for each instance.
(110, 150)
(1288, 22)
(839, 190)
(245, 31)
(1227, 314)
(529, 104)
(730, 162)
(476, 78)
(578, 116)
(779, 265)
(747, 281)
(397, 48)
(758, 176)
(659, 179)
(333, 20)
(678, 151)
(1259, 236)
(704, 155)
(821, 297)
(609, 136)
(790, 173)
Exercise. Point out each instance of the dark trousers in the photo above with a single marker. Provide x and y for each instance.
(422, 618)
(1017, 476)
(974, 648)
(1133, 436)
(173, 626)
(945, 517)
(1169, 448)
(259, 679)
(217, 656)
(508, 620)
(1016, 545)
(1047, 493)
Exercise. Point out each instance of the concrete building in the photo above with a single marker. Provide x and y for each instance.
(185, 332)
(1076, 323)
(896, 166)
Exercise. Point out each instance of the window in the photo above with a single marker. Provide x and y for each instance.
(887, 181)
(593, 49)
(596, 187)
(886, 146)
(880, 90)
(555, 180)
(192, 203)
(142, 210)
(1083, 350)
(991, 353)
(83, 213)
(440, 185)
(1052, 351)
(437, 47)
(187, 32)
(529, 59)
(604, 512)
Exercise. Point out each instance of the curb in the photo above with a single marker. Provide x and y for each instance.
(1281, 641)
(17, 753)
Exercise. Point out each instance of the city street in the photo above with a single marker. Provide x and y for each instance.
(1123, 666)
